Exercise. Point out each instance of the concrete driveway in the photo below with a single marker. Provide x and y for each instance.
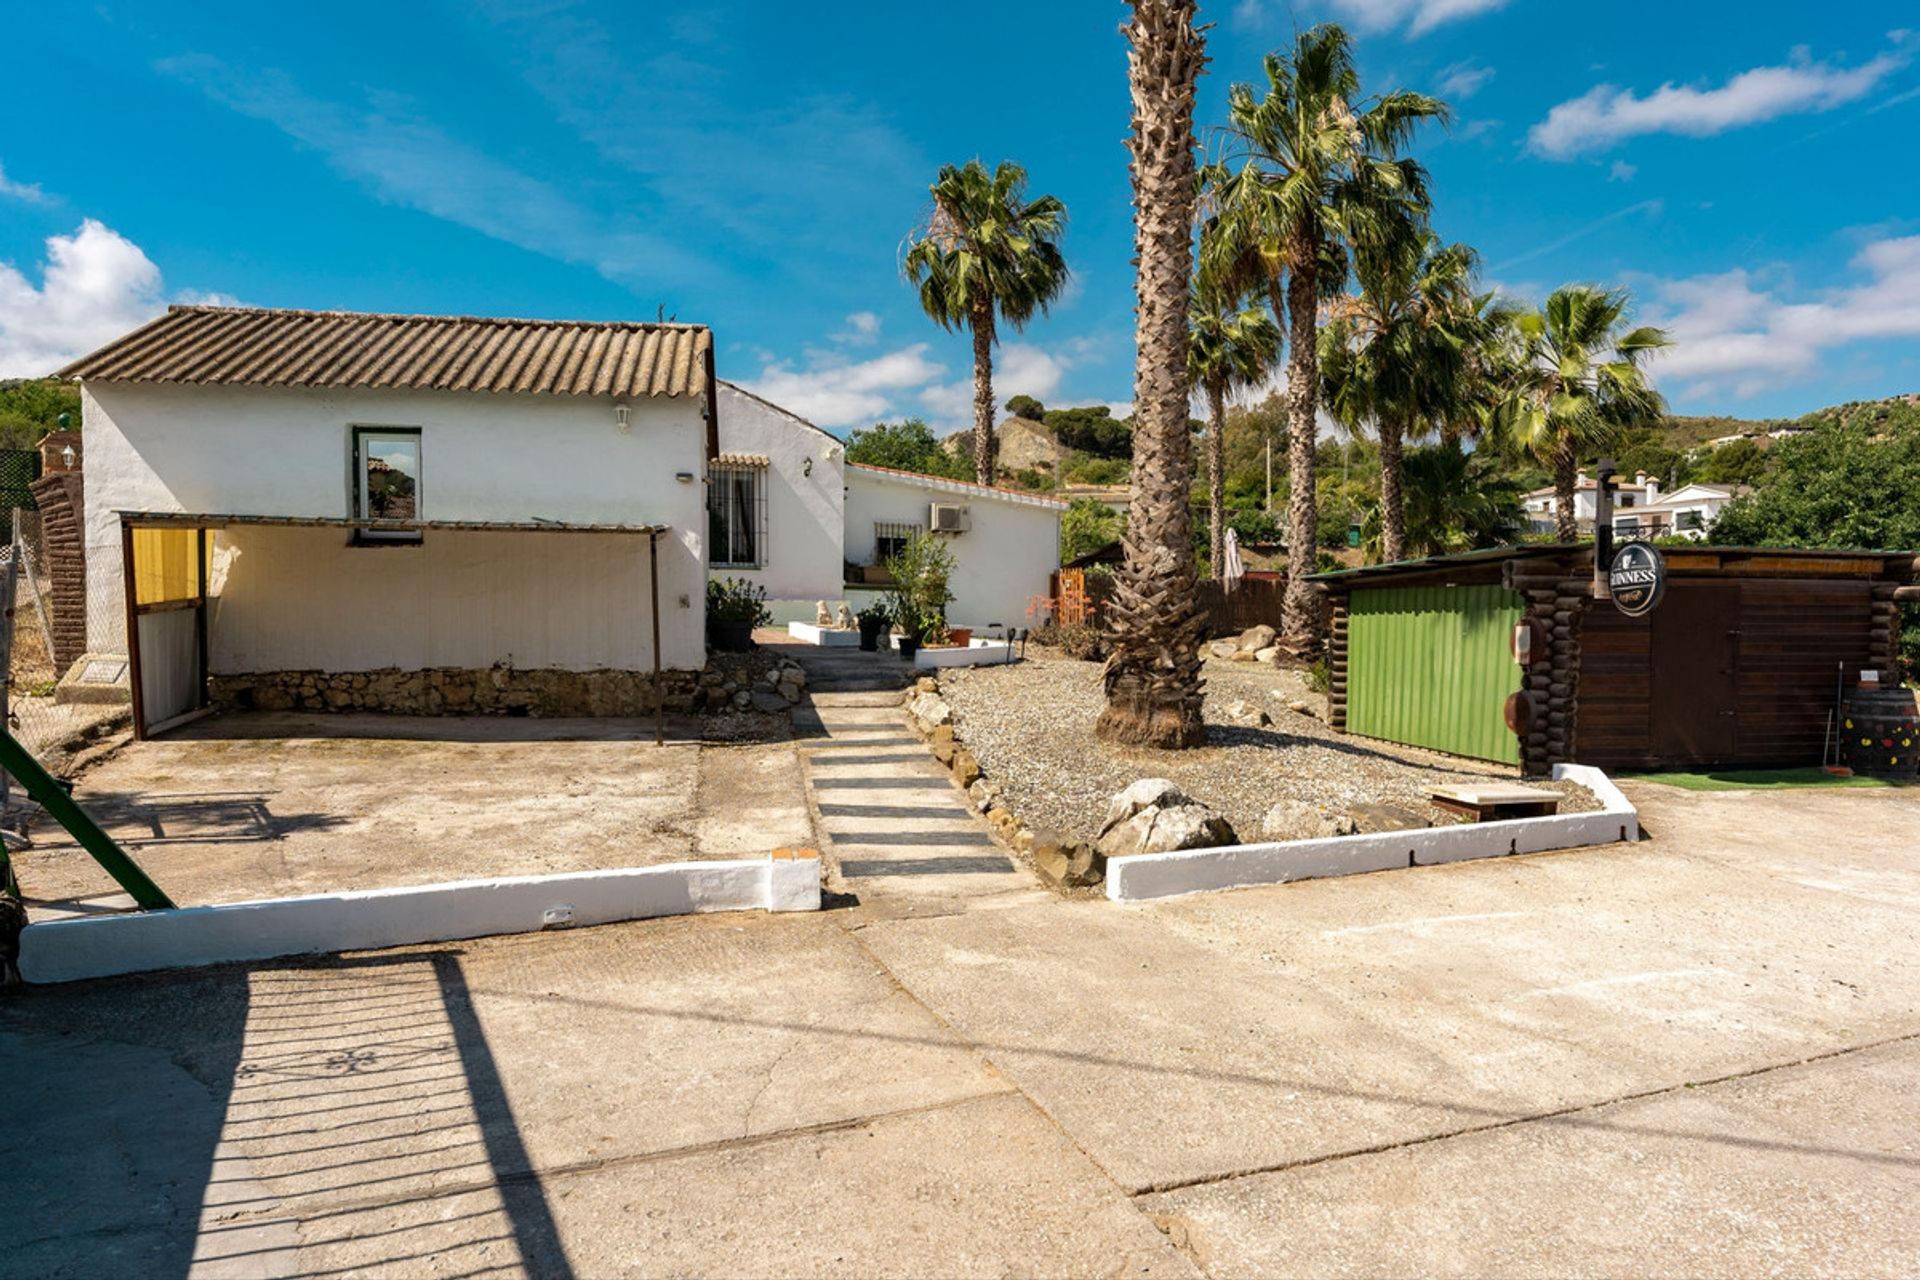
(1693, 1055)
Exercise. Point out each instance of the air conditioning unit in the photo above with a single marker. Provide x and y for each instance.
(949, 517)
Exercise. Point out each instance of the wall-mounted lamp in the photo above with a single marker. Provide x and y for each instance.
(684, 477)
(623, 417)
(66, 457)
(806, 468)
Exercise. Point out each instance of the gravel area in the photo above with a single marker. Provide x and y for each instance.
(1031, 727)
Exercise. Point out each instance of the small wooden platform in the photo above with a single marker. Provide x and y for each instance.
(1496, 800)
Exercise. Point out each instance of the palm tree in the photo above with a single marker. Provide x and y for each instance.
(1229, 346)
(1455, 501)
(1313, 171)
(1577, 379)
(1153, 682)
(986, 250)
(1394, 354)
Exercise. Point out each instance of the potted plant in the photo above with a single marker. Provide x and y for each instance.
(920, 571)
(735, 607)
(874, 621)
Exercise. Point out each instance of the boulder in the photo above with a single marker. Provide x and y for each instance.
(1254, 639)
(1165, 830)
(1224, 648)
(1241, 655)
(926, 684)
(1147, 793)
(1268, 655)
(768, 701)
(966, 770)
(1298, 820)
(983, 793)
(941, 741)
(1069, 864)
(930, 710)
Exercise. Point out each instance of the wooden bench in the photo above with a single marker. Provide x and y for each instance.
(1487, 803)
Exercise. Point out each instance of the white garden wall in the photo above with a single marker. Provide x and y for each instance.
(805, 482)
(1001, 564)
(572, 600)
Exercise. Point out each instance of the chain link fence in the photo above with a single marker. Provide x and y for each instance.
(50, 722)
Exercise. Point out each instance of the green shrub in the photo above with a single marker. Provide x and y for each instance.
(737, 600)
(1316, 676)
(921, 570)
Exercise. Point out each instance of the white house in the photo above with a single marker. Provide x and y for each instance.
(818, 528)
(1640, 509)
(408, 513)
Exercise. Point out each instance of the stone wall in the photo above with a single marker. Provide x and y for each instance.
(742, 682)
(61, 502)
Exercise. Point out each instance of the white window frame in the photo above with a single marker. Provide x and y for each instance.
(360, 435)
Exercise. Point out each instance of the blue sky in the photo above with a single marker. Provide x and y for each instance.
(754, 167)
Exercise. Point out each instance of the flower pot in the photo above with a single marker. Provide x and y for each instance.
(961, 637)
(730, 637)
(909, 646)
(870, 635)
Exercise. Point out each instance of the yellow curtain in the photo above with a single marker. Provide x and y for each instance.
(164, 566)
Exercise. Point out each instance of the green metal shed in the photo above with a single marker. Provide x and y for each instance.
(1430, 667)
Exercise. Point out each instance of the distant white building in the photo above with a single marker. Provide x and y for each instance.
(786, 510)
(1640, 508)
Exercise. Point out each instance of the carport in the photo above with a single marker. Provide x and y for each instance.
(171, 574)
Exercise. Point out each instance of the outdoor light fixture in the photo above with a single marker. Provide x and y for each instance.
(66, 456)
(623, 416)
(806, 468)
(684, 477)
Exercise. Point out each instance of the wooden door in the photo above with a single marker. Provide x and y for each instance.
(1696, 673)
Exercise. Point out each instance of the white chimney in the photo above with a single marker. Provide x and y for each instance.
(1653, 486)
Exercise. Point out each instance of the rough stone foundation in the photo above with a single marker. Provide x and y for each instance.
(743, 682)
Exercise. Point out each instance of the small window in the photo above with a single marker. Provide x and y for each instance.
(1626, 499)
(737, 517)
(386, 482)
(890, 539)
(1692, 521)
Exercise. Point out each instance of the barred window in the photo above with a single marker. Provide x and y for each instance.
(890, 539)
(737, 517)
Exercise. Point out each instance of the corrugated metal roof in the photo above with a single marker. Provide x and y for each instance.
(252, 346)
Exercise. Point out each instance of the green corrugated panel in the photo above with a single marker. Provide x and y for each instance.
(1429, 667)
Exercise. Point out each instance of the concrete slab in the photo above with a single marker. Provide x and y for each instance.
(1805, 1171)
(1232, 1033)
(981, 1188)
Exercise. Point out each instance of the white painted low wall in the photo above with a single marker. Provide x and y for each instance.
(101, 946)
(1166, 875)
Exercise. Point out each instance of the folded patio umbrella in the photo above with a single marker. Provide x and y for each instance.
(1236, 568)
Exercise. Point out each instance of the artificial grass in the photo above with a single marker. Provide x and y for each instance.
(1758, 780)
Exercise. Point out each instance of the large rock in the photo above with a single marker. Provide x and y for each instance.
(1254, 639)
(941, 743)
(966, 769)
(930, 710)
(1066, 863)
(1165, 830)
(1147, 793)
(1298, 820)
(983, 793)
(1386, 817)
(1224, 648)
(768, 701)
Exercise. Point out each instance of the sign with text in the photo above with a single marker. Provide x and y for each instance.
(1637, 578)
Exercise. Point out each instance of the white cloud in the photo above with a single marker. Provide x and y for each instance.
(94, 286)
(27, 191)
(839, 393)
(1019, 369)
(1622, 171)
(863, 329)
(1606, 115)
(1463, 79)
(1735, 333)
(1418, 16)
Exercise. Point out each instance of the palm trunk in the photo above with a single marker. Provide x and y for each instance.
(1153, 686)
(983, 469)
(1393, 503)
(1450, 436)
(1217, 477)
(1303, 508)
(1566, 471)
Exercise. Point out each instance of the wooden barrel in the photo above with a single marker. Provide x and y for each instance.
(1880, 733)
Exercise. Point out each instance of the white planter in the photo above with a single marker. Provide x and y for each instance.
(978, 653)
(826, 637)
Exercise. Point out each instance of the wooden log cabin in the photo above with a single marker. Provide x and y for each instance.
(1738, 666)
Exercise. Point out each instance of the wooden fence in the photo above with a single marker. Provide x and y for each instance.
(1252, 602)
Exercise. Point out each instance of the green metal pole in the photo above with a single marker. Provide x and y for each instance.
(53, 797)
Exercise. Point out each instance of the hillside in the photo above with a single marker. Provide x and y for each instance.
(1689, 432)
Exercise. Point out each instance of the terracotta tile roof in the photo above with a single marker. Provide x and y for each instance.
(742, 460)
(252, 346)
(961, 486)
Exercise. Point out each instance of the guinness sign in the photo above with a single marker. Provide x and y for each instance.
(1637, 578)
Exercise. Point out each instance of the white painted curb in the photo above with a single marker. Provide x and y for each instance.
(100, 946)
(825, 637)
(1165, 875)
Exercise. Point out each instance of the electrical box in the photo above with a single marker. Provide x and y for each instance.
(949, 517)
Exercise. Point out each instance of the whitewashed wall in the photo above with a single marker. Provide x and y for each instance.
(803, 549)
(486, 597)
(1000, 564)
